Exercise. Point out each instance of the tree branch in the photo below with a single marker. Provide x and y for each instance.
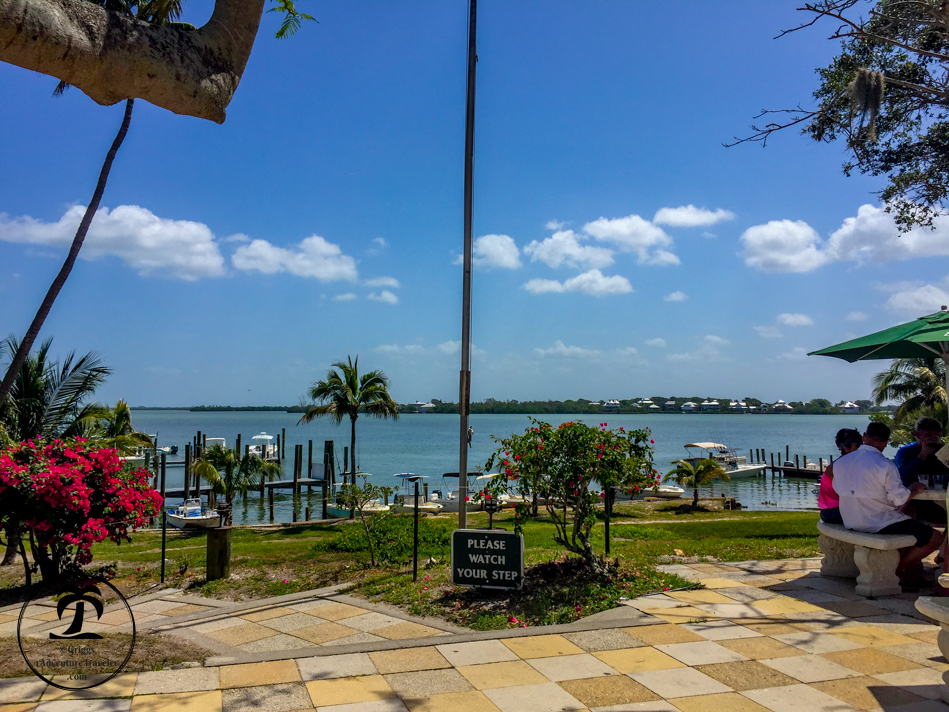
(112, 58)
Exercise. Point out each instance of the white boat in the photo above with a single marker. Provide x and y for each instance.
(190, 515)
(665, 492)
(735, 465)
(405, 498)
(447, 493)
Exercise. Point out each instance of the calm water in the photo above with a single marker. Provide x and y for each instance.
(427, 444)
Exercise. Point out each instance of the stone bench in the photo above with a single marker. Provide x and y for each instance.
(871, 558)
(938, 610)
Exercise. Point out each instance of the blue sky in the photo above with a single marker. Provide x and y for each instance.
(622, 252)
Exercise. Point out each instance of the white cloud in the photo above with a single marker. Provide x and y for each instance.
(628, 352)
(691, 216)
(769, 332)
(384, 296)
(349, 296)
(564, 248)
(783, 246)
(594, 283)
(634, 234)
(313, 257)
(150, 244)
(450, 347)
(708, 350)
(709, 235)
(796, 354)
(559, 350)
(490, 251)
(795, 320)
(917, 300)
(856, 316)
(239, 237)
(379, 242)
(382, 282)
(870, 236)
(661, 343)
(676, 297)
(398, 349)
(555, 225)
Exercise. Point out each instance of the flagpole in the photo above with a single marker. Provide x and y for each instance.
(464, 381)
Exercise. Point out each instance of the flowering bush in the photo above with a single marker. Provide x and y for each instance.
(67, 496)
(558, 466)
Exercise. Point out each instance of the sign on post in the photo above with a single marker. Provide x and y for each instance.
(487, 559)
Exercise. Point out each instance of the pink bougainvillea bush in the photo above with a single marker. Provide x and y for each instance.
(67, 496)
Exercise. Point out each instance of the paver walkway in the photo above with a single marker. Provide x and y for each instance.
(760, 636)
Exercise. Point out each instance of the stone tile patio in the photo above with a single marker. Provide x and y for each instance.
(665, 653)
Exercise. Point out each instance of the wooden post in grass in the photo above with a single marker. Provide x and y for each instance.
(608, 506)
(164, 517)
(219, 553)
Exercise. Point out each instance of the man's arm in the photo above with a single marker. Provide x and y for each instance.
(896, 492)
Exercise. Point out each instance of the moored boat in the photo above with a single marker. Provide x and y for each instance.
(190, 515)
(736, 466)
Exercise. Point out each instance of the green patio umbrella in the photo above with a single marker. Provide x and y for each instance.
(926, 337)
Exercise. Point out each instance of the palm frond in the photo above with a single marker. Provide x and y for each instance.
(292, 18)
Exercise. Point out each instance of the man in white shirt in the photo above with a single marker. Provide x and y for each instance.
(871, 495)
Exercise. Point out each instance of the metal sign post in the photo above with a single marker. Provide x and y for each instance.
(464, 381)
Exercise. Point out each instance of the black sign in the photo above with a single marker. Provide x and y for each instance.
(487, 559)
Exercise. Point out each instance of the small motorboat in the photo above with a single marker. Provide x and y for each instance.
(665, 492)
(405, 498)
(190, 515)
(169, 449)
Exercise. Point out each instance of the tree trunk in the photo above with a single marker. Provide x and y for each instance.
(112, 57)
(695, 498)
(27, 343)
(12, 533)
(352, 461)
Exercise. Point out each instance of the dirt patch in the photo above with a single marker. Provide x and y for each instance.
(152, 652)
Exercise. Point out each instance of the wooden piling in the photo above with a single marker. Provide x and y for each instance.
(307, 515)
(325, 481)
(237, 445)
(219, 553)
(271, 505)
(346, 468)
(797, 462)
(279, 460)
(772, 465)
(297, 455)
(425, 487)
(309, 465)
(294, 512)
(787, 452)
(283, 442)
(187, 469)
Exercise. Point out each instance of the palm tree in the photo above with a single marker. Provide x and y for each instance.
(114, 429)
(914, 382)
(345, 393)
(156, 12)
(703, 472)
(231, 473)
(48, 400)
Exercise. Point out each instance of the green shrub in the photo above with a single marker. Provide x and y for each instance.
(392, 538)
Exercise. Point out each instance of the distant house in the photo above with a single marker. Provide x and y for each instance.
(669, 405)
(738, 407)
(427, 407)
(689, 407)
(780, 405)
(654, 407)
(850, 407)
(712, 406)
(611, 405)
(645, 403)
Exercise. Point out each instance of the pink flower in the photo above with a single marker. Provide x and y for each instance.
(286, 581)
(512, 619)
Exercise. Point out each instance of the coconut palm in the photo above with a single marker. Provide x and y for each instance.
(914, 382)
(231, 473)
(345, 393)
(49, 397)
(114, 429)
(696, 475)
(47, 400)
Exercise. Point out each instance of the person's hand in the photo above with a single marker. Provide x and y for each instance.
(916, 488)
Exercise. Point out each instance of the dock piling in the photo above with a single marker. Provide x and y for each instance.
(283, 443)
(325, 481)
(187, 469)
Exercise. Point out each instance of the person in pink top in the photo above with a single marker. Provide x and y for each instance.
(828, 502)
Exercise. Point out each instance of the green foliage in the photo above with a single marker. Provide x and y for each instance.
(346, 394)
(356, 498)
(558, 466)
(392, 538)
(231, 473)
(695, 475)
(292, 18)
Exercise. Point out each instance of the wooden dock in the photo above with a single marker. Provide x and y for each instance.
(289, 484)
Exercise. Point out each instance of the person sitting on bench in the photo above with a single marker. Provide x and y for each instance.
(871, 494)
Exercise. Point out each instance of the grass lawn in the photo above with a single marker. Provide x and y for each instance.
(270, 562)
